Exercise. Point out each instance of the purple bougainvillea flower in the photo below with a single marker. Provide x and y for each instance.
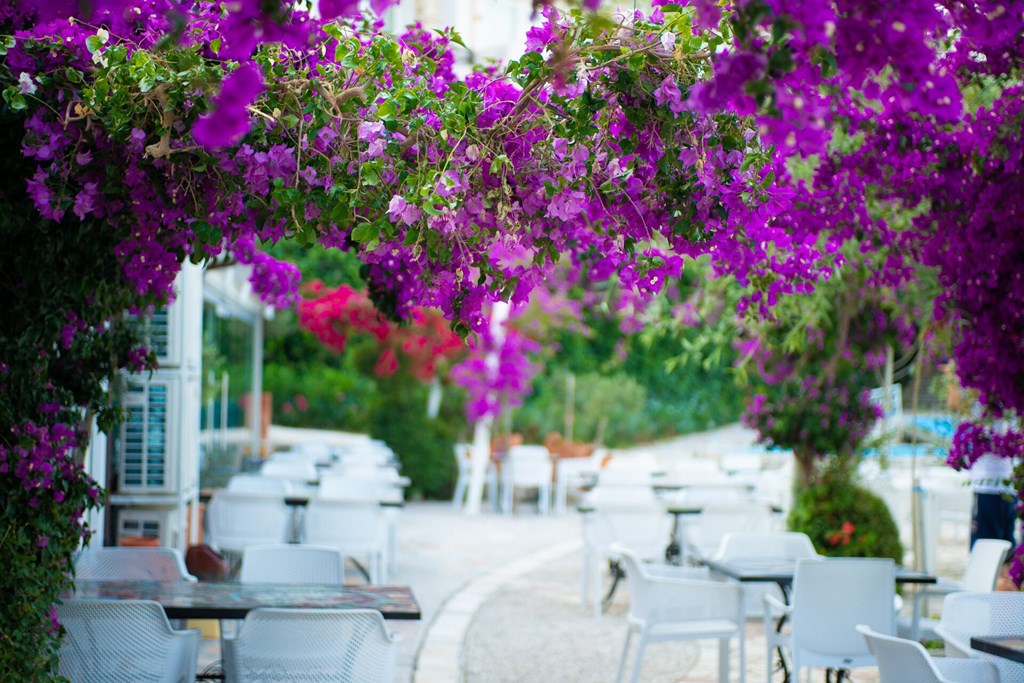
(228, 122)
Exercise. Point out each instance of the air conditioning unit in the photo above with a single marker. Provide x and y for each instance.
(149, 526)
(146, 452)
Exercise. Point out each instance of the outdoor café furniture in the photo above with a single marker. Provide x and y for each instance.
(985, 615)
(463, 463)
(980, 575)
(763, 545)
(704, 532)
(1007, 647)
(257, 483)
(630, 516)
(526, 467)
(143, 564)
(901, 660)
(356, 527)
(297, 471)
(679, 603)
(311, 645)
(124, 640)
(236, 520)
(831, 597)
(292, 563)
(224, 600)
(575, 473)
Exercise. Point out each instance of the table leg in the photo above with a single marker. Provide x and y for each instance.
(617, 575)
(674, 550)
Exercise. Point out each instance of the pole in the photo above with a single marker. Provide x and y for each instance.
(482, 430)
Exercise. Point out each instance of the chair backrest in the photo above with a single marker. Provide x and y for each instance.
(291, 563)
(296, 470)
(236, 520)
(766, 545)
(311, 645)
(642, 525)
(109, 641)
(339, 487)
(983, 564)
(131, 564)
(832, 596)
(660, 593)
(900, 660)
(706, 531)
(991, 613)
(528, 465)
(344, 524)
(257, 483)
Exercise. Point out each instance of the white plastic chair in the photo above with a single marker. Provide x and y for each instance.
(299, 471)
(236, 520)
(463, 454)
(831, 597)
(904, 661)
(257, 483)
(677, 603)
(763, 545)
(292, 563)
(631, 517)
(980, 575)
(990, 613)
(629, 469)
(526, 467)
(112, 641)
(571, 473)
(131, 564)
(355, 527)
(311, 645)
(705, 532)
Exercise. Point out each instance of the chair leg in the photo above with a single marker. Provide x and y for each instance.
(723, 660)
(639, 660)
(625, 653)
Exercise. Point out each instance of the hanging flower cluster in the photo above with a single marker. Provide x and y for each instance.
(498, 371)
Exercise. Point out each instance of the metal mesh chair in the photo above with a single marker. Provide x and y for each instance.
(290, 563)
(311, 645)
(676, 603)
(113, 641)
(991, 613)
(128, 564)
(901, 660)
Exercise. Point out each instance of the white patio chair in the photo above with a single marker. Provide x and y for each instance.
(989, 613)
(112, 641)
(763, 545)
(704, 532)
(629, 469)
(298, 471)
(292, 563)
(355, 527)
(677, 603)
(831, 597)
(526, 467)
(980, 575)
(572, 473)
(311, 645)
(257, 483)
(904, 661)
(463, 454)
(631, 517)
(131, 564)
(236, 520)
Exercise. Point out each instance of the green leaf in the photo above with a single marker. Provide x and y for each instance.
(215, 46)
(364, 232)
